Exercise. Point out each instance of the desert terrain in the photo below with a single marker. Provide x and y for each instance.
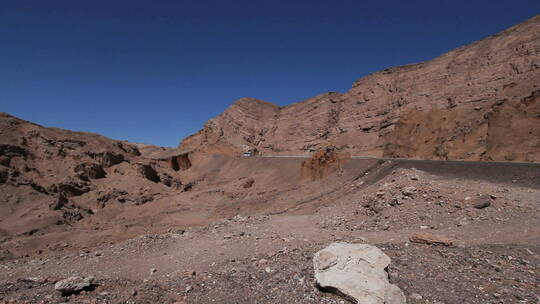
(437, 164)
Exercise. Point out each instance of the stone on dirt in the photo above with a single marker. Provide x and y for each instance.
(482, 203)
(431, 239)
(409, 191)
(356, 272)
(248, 183)
(74, 284)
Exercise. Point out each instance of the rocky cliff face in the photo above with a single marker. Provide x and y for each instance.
(477, 102)
(51, 178)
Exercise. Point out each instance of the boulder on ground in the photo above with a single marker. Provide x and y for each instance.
(74, 284)
(356, 272)
(482, 202)
(409, 191)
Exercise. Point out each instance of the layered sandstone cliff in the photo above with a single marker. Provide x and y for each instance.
(477, 102)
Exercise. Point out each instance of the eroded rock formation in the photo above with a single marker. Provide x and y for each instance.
(322, 164)
(50, 177)
(477, 102)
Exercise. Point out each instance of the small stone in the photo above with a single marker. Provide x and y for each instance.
(153, 270)
(188, 288)
(409, 191)
(430, 239)
(415, 296)
(482, 203)
(268, 270)
(74, 284)
(462, 223)
(37, 280)
(363, 239)
(248, 183)
(414, 177)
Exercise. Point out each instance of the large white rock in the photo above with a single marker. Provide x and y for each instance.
(357, 272)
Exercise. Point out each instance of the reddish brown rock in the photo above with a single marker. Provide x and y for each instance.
(322, 164)
(148, 172)
(248, 183)
(50, 177)
(180, 162)
(477, 102)
(90, 171)
(431, 239)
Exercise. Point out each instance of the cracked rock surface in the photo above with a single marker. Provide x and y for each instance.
(357, 272)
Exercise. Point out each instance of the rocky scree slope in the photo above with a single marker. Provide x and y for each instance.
(477, 102)
(51, 178)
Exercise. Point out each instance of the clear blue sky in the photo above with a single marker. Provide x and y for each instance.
(155, 71)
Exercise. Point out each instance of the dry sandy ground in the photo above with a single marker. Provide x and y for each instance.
(197, 225)
(268, 258)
